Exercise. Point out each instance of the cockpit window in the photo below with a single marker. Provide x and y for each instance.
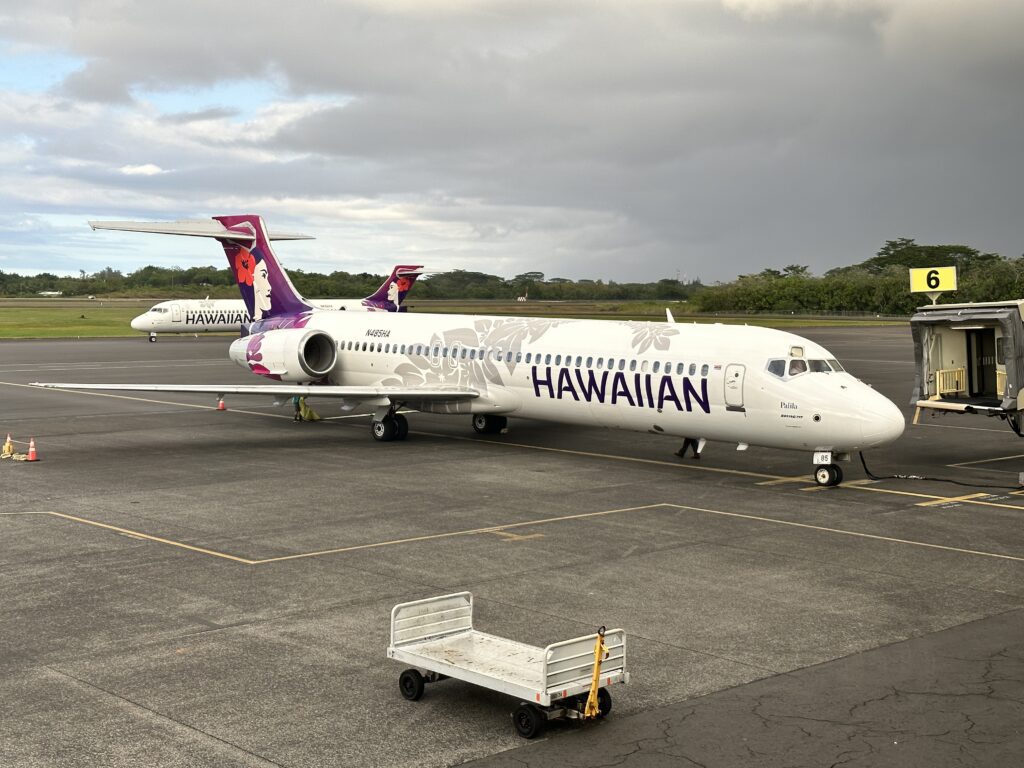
(836, 366)
(820, 366)
(777, 368)
(796, 367)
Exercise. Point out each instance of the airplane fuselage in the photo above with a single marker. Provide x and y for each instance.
(216, 315)
(716, 381)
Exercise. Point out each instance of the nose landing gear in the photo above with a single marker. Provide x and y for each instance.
(828, 475)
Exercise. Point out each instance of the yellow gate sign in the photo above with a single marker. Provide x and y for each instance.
(933, 280)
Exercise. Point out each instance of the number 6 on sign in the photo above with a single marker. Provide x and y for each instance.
(933, 279)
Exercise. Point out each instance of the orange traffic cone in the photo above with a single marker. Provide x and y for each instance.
(220, 405)
(32, 450)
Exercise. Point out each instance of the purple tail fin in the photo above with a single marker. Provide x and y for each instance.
(392, 292)
(264, 284)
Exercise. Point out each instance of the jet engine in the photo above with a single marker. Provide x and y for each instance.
(290, 354)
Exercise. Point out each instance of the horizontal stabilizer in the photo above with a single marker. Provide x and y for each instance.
(197, 228)
(278, 391)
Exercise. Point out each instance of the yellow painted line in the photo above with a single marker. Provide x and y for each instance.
(657, 462)
(452, 534)
(936, 502)
(792, 479)
(889, 491)
(987, 461)
(507, 536)
(858, 534)
(158, 539)
(496, 529)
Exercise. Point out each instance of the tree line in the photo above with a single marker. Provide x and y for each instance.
(879, 285)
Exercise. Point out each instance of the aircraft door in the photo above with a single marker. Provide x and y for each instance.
(734, 387)
(175, 313)
(981, 362)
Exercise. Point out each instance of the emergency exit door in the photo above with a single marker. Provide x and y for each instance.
(175, 313)
(734, 387)
(981, 362)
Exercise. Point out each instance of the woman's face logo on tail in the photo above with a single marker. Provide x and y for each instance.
(261, 290)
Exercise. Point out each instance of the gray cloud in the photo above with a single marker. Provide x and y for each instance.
(583, 139)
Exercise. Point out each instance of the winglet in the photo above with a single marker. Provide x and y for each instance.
(668, 316)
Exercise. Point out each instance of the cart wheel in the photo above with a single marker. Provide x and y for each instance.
(604, 702)
(529, 721)
(410, 683)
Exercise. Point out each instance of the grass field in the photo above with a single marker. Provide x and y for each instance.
(70, 318)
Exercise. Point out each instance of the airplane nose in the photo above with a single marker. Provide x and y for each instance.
(882, 422)
(138, 323)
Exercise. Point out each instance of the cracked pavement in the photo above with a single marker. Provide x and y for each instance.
(950, 698)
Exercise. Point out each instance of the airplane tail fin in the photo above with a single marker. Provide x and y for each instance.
(392, 292)
(265, 287)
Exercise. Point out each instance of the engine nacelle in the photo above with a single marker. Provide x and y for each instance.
(289, 354)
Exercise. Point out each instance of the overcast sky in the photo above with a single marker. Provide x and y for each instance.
(590, 139)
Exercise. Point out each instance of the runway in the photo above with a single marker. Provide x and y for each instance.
(187, 587)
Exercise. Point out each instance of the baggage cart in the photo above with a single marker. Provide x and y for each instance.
(436, 637)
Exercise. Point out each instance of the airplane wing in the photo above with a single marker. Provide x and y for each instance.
(278, 391)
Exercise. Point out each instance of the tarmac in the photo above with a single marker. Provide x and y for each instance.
(188, 587)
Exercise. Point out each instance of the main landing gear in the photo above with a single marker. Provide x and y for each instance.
(485, 424)
(394, 426)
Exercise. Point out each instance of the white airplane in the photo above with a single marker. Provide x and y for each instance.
(219, 315)
(739, 384)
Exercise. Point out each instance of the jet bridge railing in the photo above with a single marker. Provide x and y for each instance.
(949, 381)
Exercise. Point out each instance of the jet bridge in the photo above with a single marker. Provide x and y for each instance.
(969, 358)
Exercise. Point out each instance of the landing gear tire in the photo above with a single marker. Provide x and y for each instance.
(401, 427)
(529, 721)
(828, 475)
(152, 338)
(385, 431)
(410, 683)
(485, 424)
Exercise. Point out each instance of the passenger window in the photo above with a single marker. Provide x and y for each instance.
(693, 369)
(387, 348)
(558, 359)
(519, 356)
(579, 361)
(643, 366)
(777, 368)
(465, 353)
(547, 359)
(611, 363)
(600, 363)
(632, 364)
(508, 357)
(529, 357)
(364, 346)
(622, 364)
(796, 367)
(590, 362)
(472, 354)
(680, 369)
(704, 369)
(656, 367)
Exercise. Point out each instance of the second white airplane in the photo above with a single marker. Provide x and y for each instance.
(226, 315)
(740, 384)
